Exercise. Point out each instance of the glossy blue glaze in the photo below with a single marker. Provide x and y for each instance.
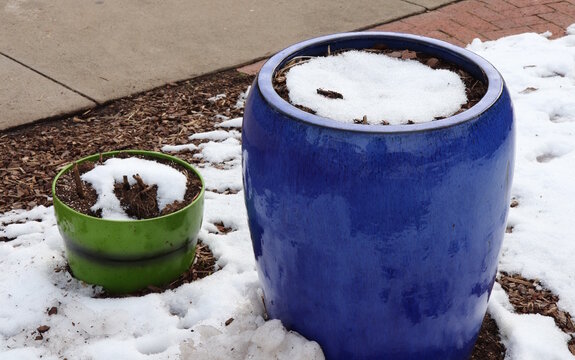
(379, 242)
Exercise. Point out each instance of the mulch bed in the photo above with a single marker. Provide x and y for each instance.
(529, 296)
(31, 156)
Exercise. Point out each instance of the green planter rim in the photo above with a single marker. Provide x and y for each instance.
(146, 153)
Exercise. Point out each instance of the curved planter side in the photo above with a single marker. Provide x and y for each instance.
(379, 242)
(126, 255)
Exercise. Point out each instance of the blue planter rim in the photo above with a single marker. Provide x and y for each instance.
(265, 77)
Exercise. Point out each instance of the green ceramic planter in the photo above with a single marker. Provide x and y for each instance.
(126, 255)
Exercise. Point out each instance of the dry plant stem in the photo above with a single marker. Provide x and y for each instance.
(140, 182)
(363, 121)
(146, 190)
(432, 63)
(293, 62)
(78, 181)
(126, 183)
(329, 94)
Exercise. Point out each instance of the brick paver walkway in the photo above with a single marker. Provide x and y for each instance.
(466, 20)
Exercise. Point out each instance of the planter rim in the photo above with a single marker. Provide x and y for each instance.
(265, 77)
(152, 154)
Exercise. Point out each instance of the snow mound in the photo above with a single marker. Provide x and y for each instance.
(377, 86)
(171, 183)
(250, 337)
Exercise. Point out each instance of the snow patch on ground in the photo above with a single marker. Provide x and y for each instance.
(242, 99)
(179, 148)
(528, 336)
(232, 123)
(251, 337)
(540, 75)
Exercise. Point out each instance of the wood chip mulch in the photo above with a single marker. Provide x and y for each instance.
(529, 296)
(30, 157)
(488, 345)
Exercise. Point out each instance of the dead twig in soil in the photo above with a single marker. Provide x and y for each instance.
(362, 121)
(78, 182)
(329, 94)
(140, 182)
(279, 76)
(126, 182)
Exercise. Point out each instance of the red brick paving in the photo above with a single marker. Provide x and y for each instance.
(461, 22)
(489, 19)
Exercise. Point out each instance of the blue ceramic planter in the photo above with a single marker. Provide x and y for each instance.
(379, 242)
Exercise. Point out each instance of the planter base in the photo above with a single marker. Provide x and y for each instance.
(119, 277)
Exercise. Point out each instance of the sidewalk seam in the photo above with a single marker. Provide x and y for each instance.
(49, 78)
(399, 18)
(425, 10)
(429, 8)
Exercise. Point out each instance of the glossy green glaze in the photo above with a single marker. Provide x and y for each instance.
(123, 256)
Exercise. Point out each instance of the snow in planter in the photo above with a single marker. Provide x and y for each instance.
(171, 183)
(376, 86)
(190, 321)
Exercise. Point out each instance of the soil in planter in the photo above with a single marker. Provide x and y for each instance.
(475, 89)
(139, 200)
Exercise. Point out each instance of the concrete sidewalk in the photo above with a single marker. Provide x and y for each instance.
(58, 57)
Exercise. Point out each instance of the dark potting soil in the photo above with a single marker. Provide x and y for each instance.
(139, 200)
(475, 89)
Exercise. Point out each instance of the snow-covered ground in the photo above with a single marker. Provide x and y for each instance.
(190, 322)
(540, 74)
